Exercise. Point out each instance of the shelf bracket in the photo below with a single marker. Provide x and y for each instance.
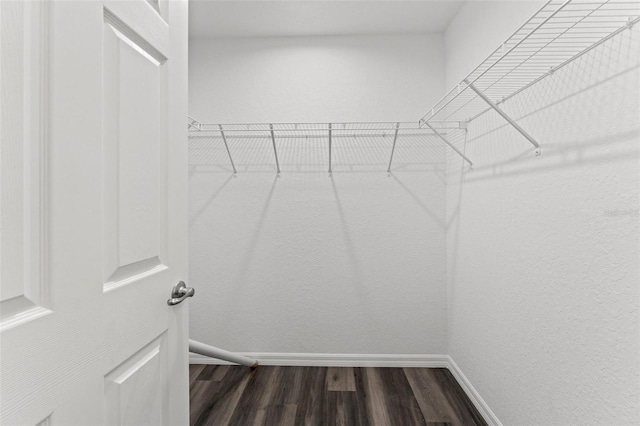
(224, 139)
(393, 148)
(193, 123)
(505, 116)
(329, 148)
(275, 151)
(438, 134)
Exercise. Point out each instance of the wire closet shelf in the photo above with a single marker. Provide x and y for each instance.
(560, 32)
(328, 132)
(557, 34)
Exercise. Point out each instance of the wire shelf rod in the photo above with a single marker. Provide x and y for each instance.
(445, 140)
(393, 148)
(505, 116)
(275, 151)
(329, 148)
(224, 139)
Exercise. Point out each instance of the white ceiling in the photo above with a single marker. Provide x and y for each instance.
(216, 18)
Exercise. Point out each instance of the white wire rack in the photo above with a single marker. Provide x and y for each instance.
(274, 133)
(558, 33)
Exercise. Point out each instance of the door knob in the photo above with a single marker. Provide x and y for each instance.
(179, 293)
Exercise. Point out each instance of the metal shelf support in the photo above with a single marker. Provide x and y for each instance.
(224, 139)
(329, 148)
(275, 151)
(193, 123)
(505, 116)
(393, 148)
(438, 134)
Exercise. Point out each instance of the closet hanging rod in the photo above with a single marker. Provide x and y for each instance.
(560, 32)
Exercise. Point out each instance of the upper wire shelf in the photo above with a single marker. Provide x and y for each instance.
(352, 127)
(558, 33)
(326, 132)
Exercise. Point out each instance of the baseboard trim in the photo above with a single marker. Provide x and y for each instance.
(335, 360)
(486, 412)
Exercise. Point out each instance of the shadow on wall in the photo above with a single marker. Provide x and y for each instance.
(585, 114)
(254, 154)
(240, 279)
(193, 217)
(419, 201)
(282, 258)
(354, 262)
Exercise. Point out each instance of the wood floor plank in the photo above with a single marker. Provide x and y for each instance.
(428, 393)
(312, 394)
(340, 379)
(362, 396)
(401, 403)
(281, 415)
(342, 409)
(213, 372)
(261, 391)
(269, 396)
(202, 393)
(375, 402)
(294, 384)
(288, 392)
(220, 406)
(458, 400)
(194, 372)
(219, 372)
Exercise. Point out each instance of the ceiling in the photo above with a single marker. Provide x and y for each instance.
(220, 19)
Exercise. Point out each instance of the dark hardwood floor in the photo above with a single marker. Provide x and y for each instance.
(274, 396)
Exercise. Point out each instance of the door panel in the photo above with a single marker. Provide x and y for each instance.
(135, 175)
(24, 290)
(93, 212)
(134, 391)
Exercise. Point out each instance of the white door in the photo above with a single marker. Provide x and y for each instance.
(93, 212)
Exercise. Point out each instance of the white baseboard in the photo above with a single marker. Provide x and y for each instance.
(486, 412)
(335, 360)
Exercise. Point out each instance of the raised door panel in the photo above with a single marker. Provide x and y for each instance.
(134, 138)
(24, 285)
(136, 392)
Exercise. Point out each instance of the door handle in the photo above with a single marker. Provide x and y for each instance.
(179, 293)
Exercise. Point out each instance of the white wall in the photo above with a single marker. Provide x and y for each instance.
(543, 252)
(307, 263)
(478, 29)
(310, 79)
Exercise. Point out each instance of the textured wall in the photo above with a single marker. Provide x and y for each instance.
(311, 79)
(307, 263)
(543, 252)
